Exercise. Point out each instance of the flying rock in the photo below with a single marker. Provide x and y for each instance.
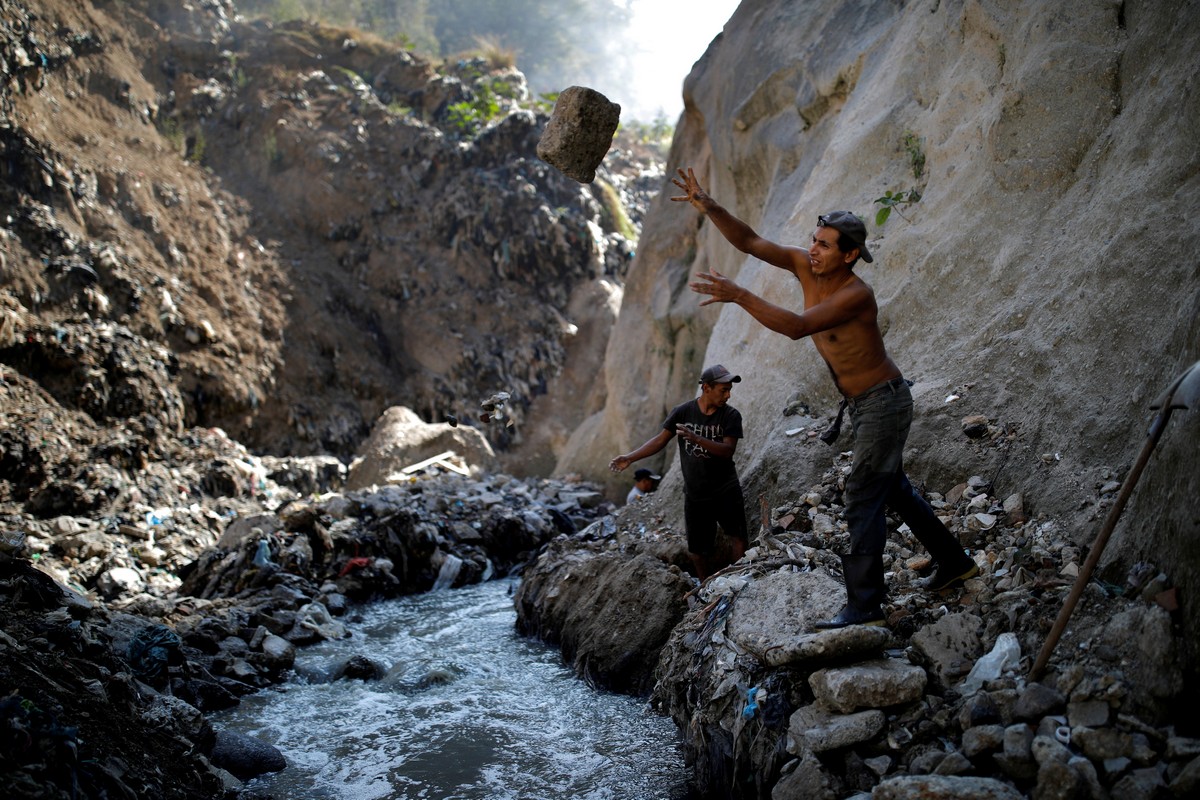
(579, 133)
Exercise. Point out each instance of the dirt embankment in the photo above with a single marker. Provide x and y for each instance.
(302, 225)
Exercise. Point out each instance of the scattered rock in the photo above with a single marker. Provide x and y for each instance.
(244, 756)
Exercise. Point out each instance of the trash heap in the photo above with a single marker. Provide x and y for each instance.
(937, 704)
(196, 585)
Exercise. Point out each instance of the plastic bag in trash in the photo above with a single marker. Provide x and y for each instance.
(151, 650)
(262, 556)
(1005, 655)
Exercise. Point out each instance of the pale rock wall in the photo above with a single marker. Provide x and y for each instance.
(1049, 275)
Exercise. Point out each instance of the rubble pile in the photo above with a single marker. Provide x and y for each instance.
(288, 227)
(74, 719)
(644, 588)
(167, 612)
(937, 704)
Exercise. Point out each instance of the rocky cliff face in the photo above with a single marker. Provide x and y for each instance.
(1047, 278)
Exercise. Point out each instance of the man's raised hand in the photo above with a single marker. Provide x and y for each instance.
(692, 192)
(718, 288)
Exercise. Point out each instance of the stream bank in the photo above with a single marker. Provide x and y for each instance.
(936, 705)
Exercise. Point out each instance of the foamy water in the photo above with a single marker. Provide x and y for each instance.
(468, 709)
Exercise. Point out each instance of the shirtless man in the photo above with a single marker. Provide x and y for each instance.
(841, 317)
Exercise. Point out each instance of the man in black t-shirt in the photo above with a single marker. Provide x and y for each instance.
(708, 429)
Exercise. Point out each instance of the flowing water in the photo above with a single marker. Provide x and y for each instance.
(468, 709)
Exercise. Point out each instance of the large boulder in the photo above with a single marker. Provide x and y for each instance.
(244, 756)
(610, 612)
(402, 439)
(579, 132)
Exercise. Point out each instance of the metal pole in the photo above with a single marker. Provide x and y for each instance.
(1188, 384)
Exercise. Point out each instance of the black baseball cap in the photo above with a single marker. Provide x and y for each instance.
(645, 473)
(718, 374)
(853, 227)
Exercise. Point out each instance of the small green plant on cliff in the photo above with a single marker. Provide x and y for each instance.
(613, 211)
(893, 201)
(271, 150)
(237, 76)
(173, 133)
(198, 144)
(470, 115)
(914, 147)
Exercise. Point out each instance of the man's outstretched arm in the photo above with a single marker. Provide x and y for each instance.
(737, 232)
(650, 447)
(842, 306)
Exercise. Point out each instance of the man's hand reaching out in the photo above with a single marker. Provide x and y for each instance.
(718, 288)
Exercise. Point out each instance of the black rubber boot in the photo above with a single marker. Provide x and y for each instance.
(950, 575)
(865, 593)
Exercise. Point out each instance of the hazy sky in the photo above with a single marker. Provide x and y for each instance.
(668, 37)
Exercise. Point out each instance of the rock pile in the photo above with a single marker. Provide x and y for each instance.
(195, 581)
(436, 231)
(936, 705)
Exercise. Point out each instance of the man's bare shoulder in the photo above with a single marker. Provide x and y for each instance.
(801, 266)
(863, 295)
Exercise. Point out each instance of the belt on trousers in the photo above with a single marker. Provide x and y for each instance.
(831, 434)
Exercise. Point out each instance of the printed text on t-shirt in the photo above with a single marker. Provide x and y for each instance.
(705, 432)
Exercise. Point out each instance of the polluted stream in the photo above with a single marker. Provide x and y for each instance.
(466, 708)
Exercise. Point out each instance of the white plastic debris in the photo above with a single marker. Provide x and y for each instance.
(1005, 655)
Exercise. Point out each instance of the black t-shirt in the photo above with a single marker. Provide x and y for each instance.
(703, 473)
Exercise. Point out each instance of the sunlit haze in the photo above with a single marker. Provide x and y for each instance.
(668, 36)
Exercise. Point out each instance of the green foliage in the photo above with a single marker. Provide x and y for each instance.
(892, 201)
(471, 115)
(545, 101)
(237, 75)
(551, 38)
(660, 131)
(350, 75)
(189, 147)
(915, 147)
(173, 133)
(613, 211)
(405, 22)
(198, 144)
(555, 43)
